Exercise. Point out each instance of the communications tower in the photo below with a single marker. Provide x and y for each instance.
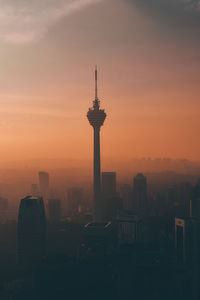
(96, 118)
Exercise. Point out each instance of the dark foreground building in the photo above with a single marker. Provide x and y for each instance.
(31, 230)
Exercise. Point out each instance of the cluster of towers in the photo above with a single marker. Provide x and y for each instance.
(32, 217)
(33, 211)
(35, 208)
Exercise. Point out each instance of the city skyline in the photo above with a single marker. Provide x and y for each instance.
(150, 75)
(99, 176)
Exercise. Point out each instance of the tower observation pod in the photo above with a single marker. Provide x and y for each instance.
(96, 118)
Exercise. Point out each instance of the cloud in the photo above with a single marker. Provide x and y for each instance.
(181, 13)
(23, 21)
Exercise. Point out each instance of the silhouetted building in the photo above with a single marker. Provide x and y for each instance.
(187, 240)
(74, 200)
(185, 197)
(99, 239)
(195, 201)
(195, 208)
(196, 190)
(109, 188)
(129, 228)
(112, 207)
(126, 194)
(140, 203)
(111, 202)
(44, 189)
(187, 244)
(54, 208)
(31, 230)
(172, 196)
(96, 117)
(44, 184)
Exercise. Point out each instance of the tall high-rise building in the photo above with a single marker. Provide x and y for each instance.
(44, 184)
(75, 197)
(126, 194)
(140, 194)
(109, 188)
(44, 189)
(111, 202)
(31, 230)
(96, 118)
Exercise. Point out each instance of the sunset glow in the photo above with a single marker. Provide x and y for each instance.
(148, 76)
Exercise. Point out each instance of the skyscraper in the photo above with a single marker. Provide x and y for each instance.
(140, 194)
(126, 194)
(111, 202)
(44, 189)
(109, 184)
(96, 117)
(44, 184)
(31, 230)
(75, 196)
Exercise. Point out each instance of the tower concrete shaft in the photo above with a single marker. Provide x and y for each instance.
(97, 176)
(96, 117)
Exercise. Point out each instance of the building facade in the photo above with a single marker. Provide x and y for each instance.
(31, 230)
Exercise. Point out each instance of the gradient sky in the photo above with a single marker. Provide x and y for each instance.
(148, 55)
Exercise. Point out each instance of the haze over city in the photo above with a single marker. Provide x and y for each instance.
(100, 155)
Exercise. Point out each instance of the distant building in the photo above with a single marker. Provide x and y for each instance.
(140, 201)
(112, 208)
(111, 202)
(195, 201)
(74, 200)
(126, 194)
(44, 189)
(8, 211)
(31, 230)
(34, 190)
(196, 190)
(109, 188)
(172, 196)
(54, 207)
(186, 196)
(44, 184)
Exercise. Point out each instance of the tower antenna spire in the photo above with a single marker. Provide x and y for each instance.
(96, 87)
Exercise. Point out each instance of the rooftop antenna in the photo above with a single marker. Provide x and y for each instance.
(96, 89)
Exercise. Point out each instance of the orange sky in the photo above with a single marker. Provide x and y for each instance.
(148, 83)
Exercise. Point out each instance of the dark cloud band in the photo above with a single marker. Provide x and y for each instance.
(179, 12)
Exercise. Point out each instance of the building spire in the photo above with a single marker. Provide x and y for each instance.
(96, 88)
